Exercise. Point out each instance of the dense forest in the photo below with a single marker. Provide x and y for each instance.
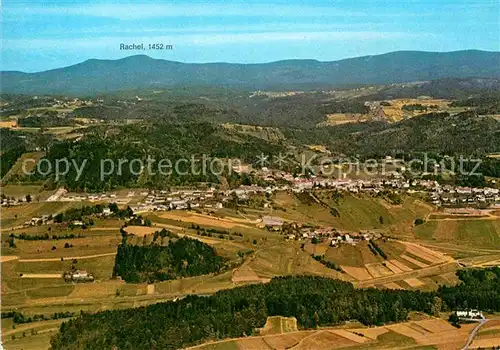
(195, 143)
(480, 289)
(314, 301)
(488, 103)
(46, 119)
(12, 148)
(179, 127)
(15, 143)
(182, 257)
(465, 134)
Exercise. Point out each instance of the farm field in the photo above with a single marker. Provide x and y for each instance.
(488, 335)
(407, 266)
(425, 333)
(32, 271)
(16, 216)
(343, 118)
(477, 233)
(392, 111)
(20, 190)
(357, 212)
(395, 111)
(35, 335)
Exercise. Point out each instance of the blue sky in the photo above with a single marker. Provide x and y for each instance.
(40, 35)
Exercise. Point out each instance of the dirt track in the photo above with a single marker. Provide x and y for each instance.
(41, 275)
(66, 258)
(24, 327)
(8, 258)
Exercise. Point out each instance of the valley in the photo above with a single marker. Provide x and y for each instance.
(291, 205)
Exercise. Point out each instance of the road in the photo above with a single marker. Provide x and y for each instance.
(66, 258)
(473, 333)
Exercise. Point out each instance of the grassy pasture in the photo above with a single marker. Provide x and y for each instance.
(18, 215)
(476, 233)
(20, 190)
(81, 247)
(357, 212)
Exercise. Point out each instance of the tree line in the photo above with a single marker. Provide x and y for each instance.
(314, 301)
(44, 237)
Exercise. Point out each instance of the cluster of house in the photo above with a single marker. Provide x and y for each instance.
(71, 103)
(78, 276)
(469, 314)
(177, 200)
(438, 194)
(453, 195)
(352, 238)
(333, 236)
(184, 199)
(104, 197)
(12, 201)
(39, 220)
(282, 181)
(354, 186)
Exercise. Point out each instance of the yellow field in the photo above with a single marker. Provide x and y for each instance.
(245, 274)
(414, 282)
(414, 261)
(205, 220)
(140, 230)
(359, 273)
(343, 118)
(378, 270)
(394, 112)
(392, 285)
(488, 335)
(8, 123)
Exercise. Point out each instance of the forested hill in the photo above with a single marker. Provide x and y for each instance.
(465, 133)
(137, 72)
(314, 301)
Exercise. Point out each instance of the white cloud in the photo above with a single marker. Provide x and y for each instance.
(206, 40)
(218, 39)
(129, 11)
(114, 30)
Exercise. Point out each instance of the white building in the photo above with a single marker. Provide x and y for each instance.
(469, 314)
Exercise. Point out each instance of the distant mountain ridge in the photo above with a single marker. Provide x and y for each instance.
(96, 76)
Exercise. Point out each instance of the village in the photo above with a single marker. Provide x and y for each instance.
(141, 201)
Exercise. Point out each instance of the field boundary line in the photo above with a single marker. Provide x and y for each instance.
(66, 258)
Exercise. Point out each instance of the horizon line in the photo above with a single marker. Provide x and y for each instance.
(243, 64)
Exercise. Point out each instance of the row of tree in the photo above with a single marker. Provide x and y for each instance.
(44, 237)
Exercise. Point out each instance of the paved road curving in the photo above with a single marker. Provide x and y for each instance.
(473, 334)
